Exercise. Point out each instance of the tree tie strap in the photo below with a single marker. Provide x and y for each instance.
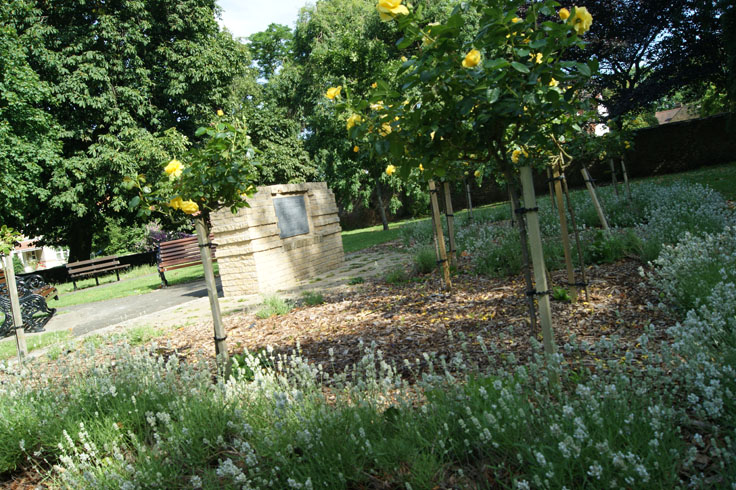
(434, 191)
(220, 339)
(440, 261)
(526, 210)
(580, 284)
(559, 178)
(450, 215)
(533, 292)
(589, 181)
(205, 245)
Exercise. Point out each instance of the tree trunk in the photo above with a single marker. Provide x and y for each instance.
(381, 209)
(439, 235)
(613, 177)
(223, 361)
(470, 201)
(449, 214)
(557, 178)
(525, 265)
(594, 197)
(79, 241)
(535, 243)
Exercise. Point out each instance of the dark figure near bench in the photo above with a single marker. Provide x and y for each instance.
(94, 268)
(32, 295)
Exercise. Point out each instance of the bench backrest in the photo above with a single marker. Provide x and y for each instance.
(181, 251)
(92, 265)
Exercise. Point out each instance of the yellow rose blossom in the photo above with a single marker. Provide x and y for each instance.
(189, 207)
(582, 20)
(385, 129)
(388, 9)
(564, 14)
(220, 113)
(356, 149)
(553, 83)
(627, 145)
(353, 120)
(477, 173)
(538, 57)
(421, 167)
(374, 85)
(333, 92)
(175, 203)
(174, 169)
(515, 20)
(471, 59)
(515, 155)
(390, 170)
(377, 106)
(404, 59)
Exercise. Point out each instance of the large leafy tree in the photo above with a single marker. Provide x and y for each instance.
(648, 49)
(28, 135)
(128, 81)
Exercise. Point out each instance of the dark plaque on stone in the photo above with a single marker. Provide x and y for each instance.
(292, 216)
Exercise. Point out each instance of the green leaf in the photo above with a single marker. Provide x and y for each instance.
(584, 69)
(493, 95)
(134, 202)
(200, 131)
(520, 67)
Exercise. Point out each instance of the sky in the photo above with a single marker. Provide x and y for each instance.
(245, 17)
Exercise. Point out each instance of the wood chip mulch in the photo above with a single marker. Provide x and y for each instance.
(405, 321)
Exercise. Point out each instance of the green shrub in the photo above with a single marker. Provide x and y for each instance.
(273, 306)
(396, 276)
(312, 298)
(425, 260)
(356, 280)
(18, 265)
(605, 248)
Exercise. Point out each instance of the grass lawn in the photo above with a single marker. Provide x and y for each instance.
(34, 341)
(722, 178)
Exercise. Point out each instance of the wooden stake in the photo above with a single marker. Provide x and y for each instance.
(518, 218)
(565, 235)
(626, 180)
(535, 244)
(470, 201)
(20, 334)
(223, 360)
(594, 198)
(578, 245)
(613, 176)
(450, 216)
(552, 202)
(439, 235)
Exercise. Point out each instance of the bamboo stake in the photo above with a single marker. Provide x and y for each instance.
(535, 244)
(613, 177)
(525, 262)
(470, 201)
(450, 216)
(578, 245)
(565, 235)
(20, 334)
(626, 180)
(594, 198)
(439, 235)
(223, 360)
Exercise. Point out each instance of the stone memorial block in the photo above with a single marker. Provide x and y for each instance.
(289, 234)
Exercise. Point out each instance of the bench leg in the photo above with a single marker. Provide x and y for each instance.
(97, 281)
(74, 281)
(164, 282)
(117, 273)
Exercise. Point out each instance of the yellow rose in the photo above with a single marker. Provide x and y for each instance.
(477, 173)
(627, 145)
(374, 85)
(421, 167)
(356, 149)
(515, 20)
(174, 169)
(538, 58)
(404, 59)
(472, 58)
(353, 120)
(385, 130)
(388, 9)
(189, 207)
(515, 155)
(564, 14)
(553, 83)
(175, 203)
(390, 170)
(220, 113)
(582, 20)
(377, 106)
(333, 92)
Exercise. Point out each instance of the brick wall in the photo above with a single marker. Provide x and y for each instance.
(253, 258)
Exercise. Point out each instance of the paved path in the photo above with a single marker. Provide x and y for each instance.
(186, 303)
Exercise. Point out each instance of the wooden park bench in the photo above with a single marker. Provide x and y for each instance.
(95, 268)
(32, 295)
(177, 254)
